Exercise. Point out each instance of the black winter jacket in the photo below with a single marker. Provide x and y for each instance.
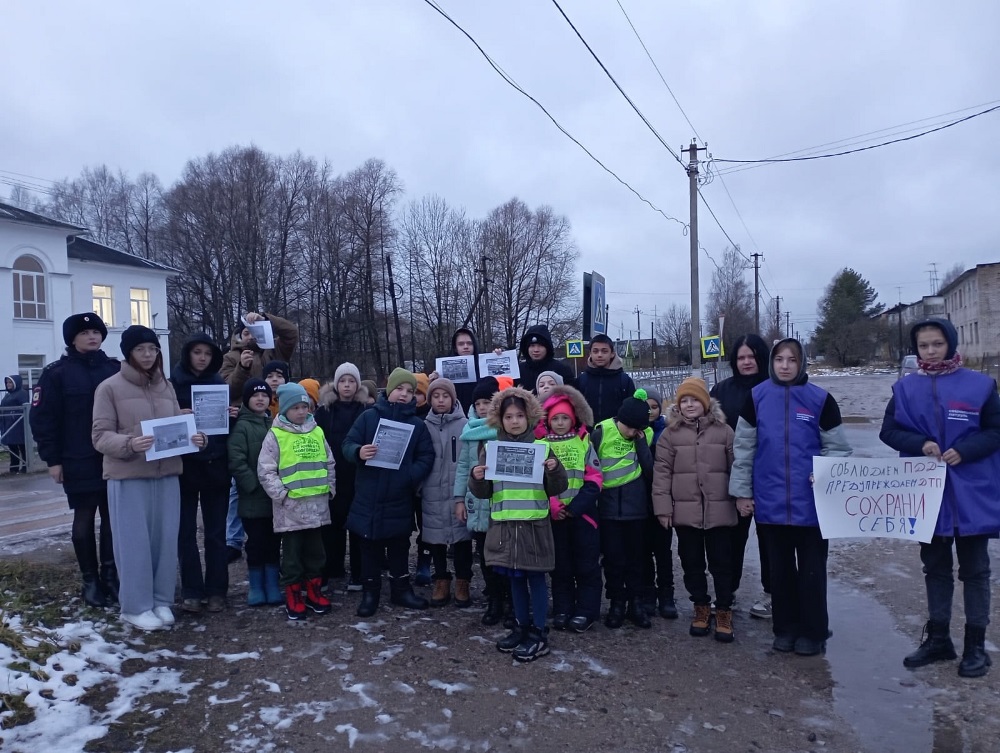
(604, 388)
(732, 393)
(336, 420)
(531, 369)
(383, 498)
(12, 405)
(210, 467)
(62, 416)
(464, 391)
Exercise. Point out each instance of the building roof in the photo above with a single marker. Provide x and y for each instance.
(82, 249)
(965, 276)
(16, 214)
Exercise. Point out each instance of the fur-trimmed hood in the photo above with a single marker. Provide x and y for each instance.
(583, 411)
(714, 415)
(533, 410)
(328, 395)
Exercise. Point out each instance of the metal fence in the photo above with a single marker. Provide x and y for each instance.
(667, 380)
(18, 417)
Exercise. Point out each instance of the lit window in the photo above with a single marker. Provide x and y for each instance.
(103, 305)
(139, 305)
(29, 289)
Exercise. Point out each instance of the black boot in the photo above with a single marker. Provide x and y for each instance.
(637, 615)
(512, 640)
(668, 607)
(369, 599)
(401, 594)
(92, 592)
(494, 611)
(423, 574)
(534, 644)
(975, 661)
(936, 646)
(509, 621)
(109, 581)
(616, 614)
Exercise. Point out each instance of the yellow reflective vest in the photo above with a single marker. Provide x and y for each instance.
(302, 462)
(619, 462)
(519, 500)
(572, 453)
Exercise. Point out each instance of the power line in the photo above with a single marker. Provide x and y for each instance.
(863, 148)
(510, 81)
(628, 99)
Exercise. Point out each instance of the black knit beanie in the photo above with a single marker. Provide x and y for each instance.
(634, 411)
(137, 335)
(252, 387)
(485, 389)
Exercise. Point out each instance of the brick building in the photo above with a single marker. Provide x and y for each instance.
(972, 303)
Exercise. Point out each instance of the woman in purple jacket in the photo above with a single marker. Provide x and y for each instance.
(946, 412)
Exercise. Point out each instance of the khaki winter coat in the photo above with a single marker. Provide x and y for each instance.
(286, 337)
(298, 513)
(691, 471)
(120, 404)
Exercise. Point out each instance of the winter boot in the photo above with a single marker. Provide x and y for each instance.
(423, 574)
(109, 581)
(442, 592)
(668, 607)
(315, 599)
(724, 626)
(295, 602)
(272, 590)
(494, 611)
(401, 594)
(936, 646)
(513, 639)
(700, 625)
(463, 594)
(256, 595)
(92, 592)
(637, 614)
(616, 614)
(975, 661)
(509, 621)
(370, 598)
(534, 645)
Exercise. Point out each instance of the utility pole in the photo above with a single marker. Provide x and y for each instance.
(486, 305)
(756, 291)
(638, 325)
(777, 313)
(692, 171)
(395, 312)
(788, 324)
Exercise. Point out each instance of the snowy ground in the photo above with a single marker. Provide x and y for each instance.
(247, 680)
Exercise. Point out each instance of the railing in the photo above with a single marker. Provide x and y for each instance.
(667, 380)
(19, 416)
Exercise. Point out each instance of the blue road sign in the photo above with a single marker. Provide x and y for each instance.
(598, 306)
(711, 347)
(574, 348)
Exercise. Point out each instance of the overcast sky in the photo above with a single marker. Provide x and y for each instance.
(146, 86)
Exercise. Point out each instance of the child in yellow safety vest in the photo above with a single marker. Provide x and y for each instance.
(576, 580)
(519, 538)
(296, 469)
(622, 445)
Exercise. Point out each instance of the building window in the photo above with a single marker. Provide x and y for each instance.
(30, 368)
(29, 289)
(103, 304)
(139, 305)
(975, 329)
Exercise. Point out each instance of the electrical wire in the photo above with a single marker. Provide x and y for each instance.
(860, 149)
(511, 82)
(614, 81)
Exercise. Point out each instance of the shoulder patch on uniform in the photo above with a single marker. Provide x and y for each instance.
(36, 396)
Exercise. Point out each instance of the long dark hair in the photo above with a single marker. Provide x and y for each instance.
(156, 368)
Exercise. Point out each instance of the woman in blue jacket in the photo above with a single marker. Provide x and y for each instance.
(784, 423)
(946, 412)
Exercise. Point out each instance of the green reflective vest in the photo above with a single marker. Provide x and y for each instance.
(519, 500)
(302, 462)
(619, 462)
(572, 453)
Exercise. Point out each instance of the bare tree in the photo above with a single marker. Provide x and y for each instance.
(673, 328)
(732, 297)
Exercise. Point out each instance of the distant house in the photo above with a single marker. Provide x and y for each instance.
(972, 303)
(902, 316)
(54, 272)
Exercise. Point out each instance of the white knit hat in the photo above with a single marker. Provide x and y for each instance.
(347, 369)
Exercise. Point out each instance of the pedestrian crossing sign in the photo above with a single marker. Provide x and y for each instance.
(712, 347)
(574, 348)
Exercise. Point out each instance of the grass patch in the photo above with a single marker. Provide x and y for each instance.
(37, 592)
(15, 710)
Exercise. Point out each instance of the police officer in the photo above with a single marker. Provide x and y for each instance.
(61, 415)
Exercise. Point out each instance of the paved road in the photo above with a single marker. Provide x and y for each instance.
(31, 507)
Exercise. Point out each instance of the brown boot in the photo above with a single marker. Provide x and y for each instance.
(442, 592)
(702, 618)
(463, 598)
(724, 625)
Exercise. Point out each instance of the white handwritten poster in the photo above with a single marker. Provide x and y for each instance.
(895, 498)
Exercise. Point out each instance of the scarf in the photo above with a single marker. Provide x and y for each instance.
(947, 366)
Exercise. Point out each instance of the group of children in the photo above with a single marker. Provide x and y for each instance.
(612, 494)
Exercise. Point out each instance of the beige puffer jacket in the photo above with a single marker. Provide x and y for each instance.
(691, 472)
(120, 403)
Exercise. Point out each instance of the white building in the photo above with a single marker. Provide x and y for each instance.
(53, 273)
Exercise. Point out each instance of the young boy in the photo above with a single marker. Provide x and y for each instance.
(691, 494)
(658, 555)
(382, 510)
(276, 373)
(441, 527)
(622, 445)
(472, 510)
(340, 404)
(263, 545)
(604, 383)
(296, 469)
(576, 580)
